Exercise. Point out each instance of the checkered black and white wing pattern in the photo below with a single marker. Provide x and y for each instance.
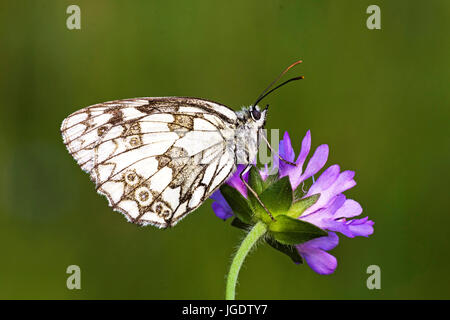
(155, 159)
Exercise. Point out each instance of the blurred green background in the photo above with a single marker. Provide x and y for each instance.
(378, 98)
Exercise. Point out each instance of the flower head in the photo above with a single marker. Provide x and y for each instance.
(323, 205)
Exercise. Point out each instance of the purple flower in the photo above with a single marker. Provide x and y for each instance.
(316, 255)
(296, 174)
(220, 206)
(330, 212)
(236, 182)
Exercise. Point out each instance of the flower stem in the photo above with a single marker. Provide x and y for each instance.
(249, 241)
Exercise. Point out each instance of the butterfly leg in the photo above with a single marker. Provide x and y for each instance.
(247, 168)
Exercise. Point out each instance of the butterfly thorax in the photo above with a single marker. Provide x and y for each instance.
(250, 122)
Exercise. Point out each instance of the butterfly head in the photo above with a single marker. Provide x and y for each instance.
(253, 115)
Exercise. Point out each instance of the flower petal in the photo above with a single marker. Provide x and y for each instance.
(361, 227)
(325, 243)
(236, 182)
(319, 260)
(343, 182)
(316, 162)
(350, 228)
(221, 211)
(287, 153)
(349, 209)
(220, 206)
(337, 226)
(285, 148)
(326, 179)
(337, 202)
(304, 151)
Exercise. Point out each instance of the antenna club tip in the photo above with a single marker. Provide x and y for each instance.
(302, 77)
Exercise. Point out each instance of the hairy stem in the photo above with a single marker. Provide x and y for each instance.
(249, 241)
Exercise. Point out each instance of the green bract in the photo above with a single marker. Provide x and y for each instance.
(287, 230)
(277, 195)
(238, 203)
(299, 206)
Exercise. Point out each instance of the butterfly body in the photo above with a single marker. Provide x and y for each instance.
(158, 159)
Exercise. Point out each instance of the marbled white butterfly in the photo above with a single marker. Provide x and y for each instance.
(157, 159)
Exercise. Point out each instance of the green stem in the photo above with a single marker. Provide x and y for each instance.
(249, 241)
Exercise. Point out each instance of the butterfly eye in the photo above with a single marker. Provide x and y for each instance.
(256, 114)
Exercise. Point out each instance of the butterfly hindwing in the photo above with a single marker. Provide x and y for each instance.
(155, 159)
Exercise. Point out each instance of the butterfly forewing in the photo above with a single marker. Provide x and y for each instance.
(155, 159)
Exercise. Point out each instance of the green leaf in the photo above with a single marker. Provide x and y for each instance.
(290, 251)
(298, 207)
(287, 230)
(239, 224)
(238, 203)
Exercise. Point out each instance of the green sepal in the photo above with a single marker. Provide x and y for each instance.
(290, 251)
(287, 230)
(298, 207)
(255, 181)
(238, 203)
(277, 198)
(298, 193)
(270, 180)
(239, 224)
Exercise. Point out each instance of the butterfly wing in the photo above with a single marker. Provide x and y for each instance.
(155, 159)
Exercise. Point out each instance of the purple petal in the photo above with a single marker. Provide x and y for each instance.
(316, 163)
(321, 217)
(304, 151)
(318, 218)
(350, 209)
(337, 202)
(287, 153)
(337, 226)
(325, 243)
(350, 228)
(343, 182)
(285, 148)
(314, 253)
(217, 195)
(288, 170)
(326, 179)
(361, 227)
(319, 260)
(221, 212)
(332, 218)
(220, 206)
(236, 182)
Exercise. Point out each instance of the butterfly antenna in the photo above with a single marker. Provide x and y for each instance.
(265, 93)
(279, 86)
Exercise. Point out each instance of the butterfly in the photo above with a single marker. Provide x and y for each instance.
(157, 159)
